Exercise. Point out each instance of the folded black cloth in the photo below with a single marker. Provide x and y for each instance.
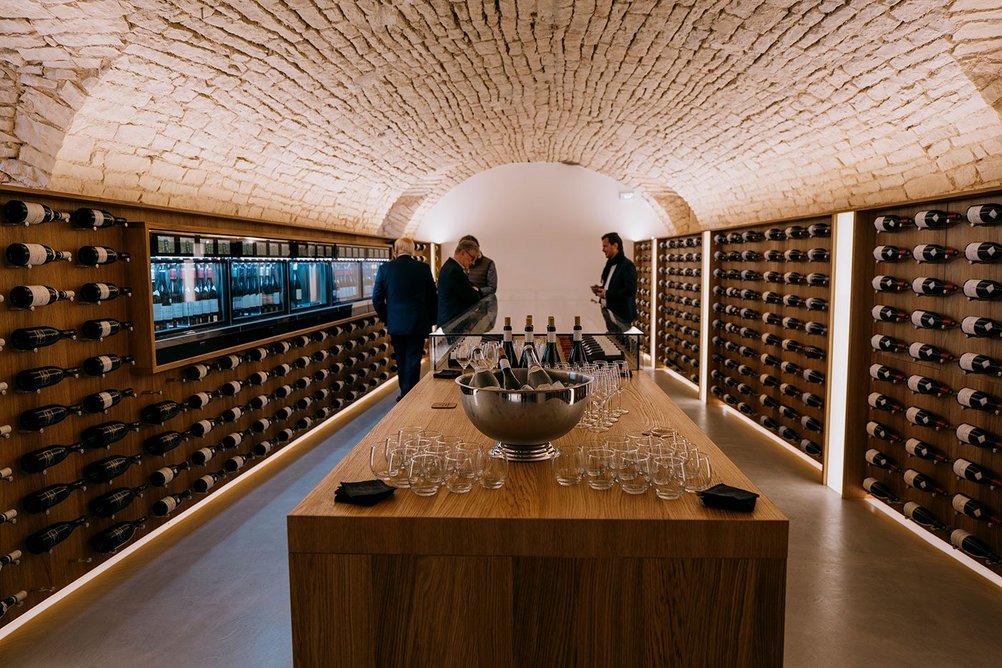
(363, 493)
(726, 497)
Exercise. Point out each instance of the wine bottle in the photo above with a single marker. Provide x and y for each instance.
(882, 432)
(750, 256)
(771, 340)
(813, 376)
(976, 436)
(12, 557)
(164, 475)
(974, 363)
(892, 223)
(237, 462)
(925, 285)
(793, 323)
(973, 546)
(930, 320)
(789, 413)
(816, 304)
(794, 301)
(209, 480)
(203, 427)
(794, 255)
(818, 279)
(882, 313)
(41, 500)
(884, 283)
(33, 338)
(981, 289)
(115, 536)
(280, 371)
(770, 360)
(920, 481)
(196, 372)
(887, 344)
(810, 447)
(923, 517)
(37, 419)
(815, 328)
(819, 255)
(230, 389)
(925, 418)
(32, 296)
(933, 253)
(890, 253)
(923, 385)
(550, 356)
(923, 450)
(115, 501)
(935, 219)
(970, 398)
(93, 293)
(33, 255)
(8, 517)
(929, 353)
(18, 212)
(257, 378)
(95, 218)
(37, 461)
(200, 400)
(170, 503)
(159, 412)
(96, 255)
(978, 252)
(529, 344)
(162, 443)
(981, 327)
(102, 365)
(984, 214)
(768, 401)
(974, 509)
(104, 434)
(968, 470)
(880, 460)
(48, 538)
(881, 372)
(768, 422)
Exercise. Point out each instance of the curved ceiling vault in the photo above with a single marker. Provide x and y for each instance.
(359, 115)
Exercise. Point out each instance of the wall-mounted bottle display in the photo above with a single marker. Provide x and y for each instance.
(932, 349)
(643, 258)
(679, 304)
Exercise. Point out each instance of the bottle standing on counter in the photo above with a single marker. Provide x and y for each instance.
(529, 343)
(550, 355)
(577, 355)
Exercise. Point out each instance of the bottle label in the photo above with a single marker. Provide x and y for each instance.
(551, 337)
(40, 295)
(105, 399)
(34, 213)
(100, 255)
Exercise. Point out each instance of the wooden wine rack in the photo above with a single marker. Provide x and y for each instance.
(862, 355)
(366, 360)
(643, 256)
(737, 355)
(679, 304)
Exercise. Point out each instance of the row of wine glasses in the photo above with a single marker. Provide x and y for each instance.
(605, 405)
(478, 355)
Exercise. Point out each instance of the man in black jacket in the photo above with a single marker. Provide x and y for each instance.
(455, 292)
(404, 298)
(618, 290)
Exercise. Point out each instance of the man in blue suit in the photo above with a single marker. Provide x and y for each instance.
(405, 299)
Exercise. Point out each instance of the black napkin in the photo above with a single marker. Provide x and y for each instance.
(726, 497)
(363, 493)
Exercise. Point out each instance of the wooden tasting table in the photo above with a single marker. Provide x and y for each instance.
(535, 574)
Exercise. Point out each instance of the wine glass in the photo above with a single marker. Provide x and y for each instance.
(462, 353)
(490, 351)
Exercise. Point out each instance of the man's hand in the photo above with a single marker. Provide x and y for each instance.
(598, 291)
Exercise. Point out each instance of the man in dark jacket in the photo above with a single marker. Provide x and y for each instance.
(404, 298)
(618, 290)
(455, 292)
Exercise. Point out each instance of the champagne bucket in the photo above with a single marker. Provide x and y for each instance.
(524, 422)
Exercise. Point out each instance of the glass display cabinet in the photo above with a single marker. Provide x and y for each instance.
(188, 290)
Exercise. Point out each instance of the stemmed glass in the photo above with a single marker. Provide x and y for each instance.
(490, 353)
(463, 351)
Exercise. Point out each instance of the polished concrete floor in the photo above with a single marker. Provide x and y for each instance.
(861, 590)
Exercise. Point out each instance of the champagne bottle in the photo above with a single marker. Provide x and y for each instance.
(196, 372)
(94, 293)
(164, 475)
(880, 460)
(887, 344)
(923, 450)
(200, 400)
(884, 283)
(973, 546)
(923, 517)
(95, 218)
(170, 503)
(37, 461)
(981, 289)
(159, 412)
(890, 253)
(882, 313)
(882, 432)
(209, 480)
(33, 255)
(41, 500)
(923, 385)
(258, 378)
(162, 443)
(115, 501)
(18, 212)
(37, 419)
(984, 214)
(930, 320)
(925, 418)
(970, 398)
(230, 389)
(30, 297)
(974, 509)
(104, 434)
(95, 255)
(115, 536)
(260, 354)
(48, 538)
(933, 253)
(981, 327)
(892, 223)
(102, 365)
(203, 427)
(33, 338)
(529, 344)
(935, 219)
(974, 363)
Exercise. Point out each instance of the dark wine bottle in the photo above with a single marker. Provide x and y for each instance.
(164, 475)
(162, 443)
(208, 481)
(200, 400)
(890, 253)
(968, 470)
(768, 422)
(257, 378)
(95, 255)
(974, 509)
(170, 503)
(104, 434)
(970, 398)
(99, 330)
(935, 219)
(115, 536)
(117, 500)
(880, 460)
(84, 218)
(100, 402)
(793, 323)
(37, 461)
(923, 517)
(159, 412)
(920, 481)
(925, 418)
(768, 401)
(933, 253)
(203, 427)
(812, 400)
(102, 365)
(528, 345)
(982, 289)
(981, 327)
(978, 252)
(819, 255)
(931, 320)
(8, 517)
(882, 432)
(882, 313)
(41, 500)
(973, 546)
(923, 385)
(884, 283)
(37, 419)
(45, 540)
(974, 363)
(923, 450)
(94, 293)
(550, 356)
(892, 223)
(789, 413)
(984, 214)
(818, 279)
(924, 285)
(12, 557)
(813, 376)
(881, 372)
(33, 338)
(18, 212)
(887, 344)
(815, 328)
(929, 353)
(976, 436)
(33, 255)
(883, 402)
(31, 297)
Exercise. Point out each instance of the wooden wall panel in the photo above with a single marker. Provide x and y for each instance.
(643, 255)
(679, 286)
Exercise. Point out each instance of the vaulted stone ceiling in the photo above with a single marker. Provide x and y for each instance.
(360, 115)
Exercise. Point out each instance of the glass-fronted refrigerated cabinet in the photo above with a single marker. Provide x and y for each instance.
(189, 292)
(258, 288)
(309, 276)
(347, 281)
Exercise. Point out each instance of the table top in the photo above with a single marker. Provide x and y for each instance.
(551, 519)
